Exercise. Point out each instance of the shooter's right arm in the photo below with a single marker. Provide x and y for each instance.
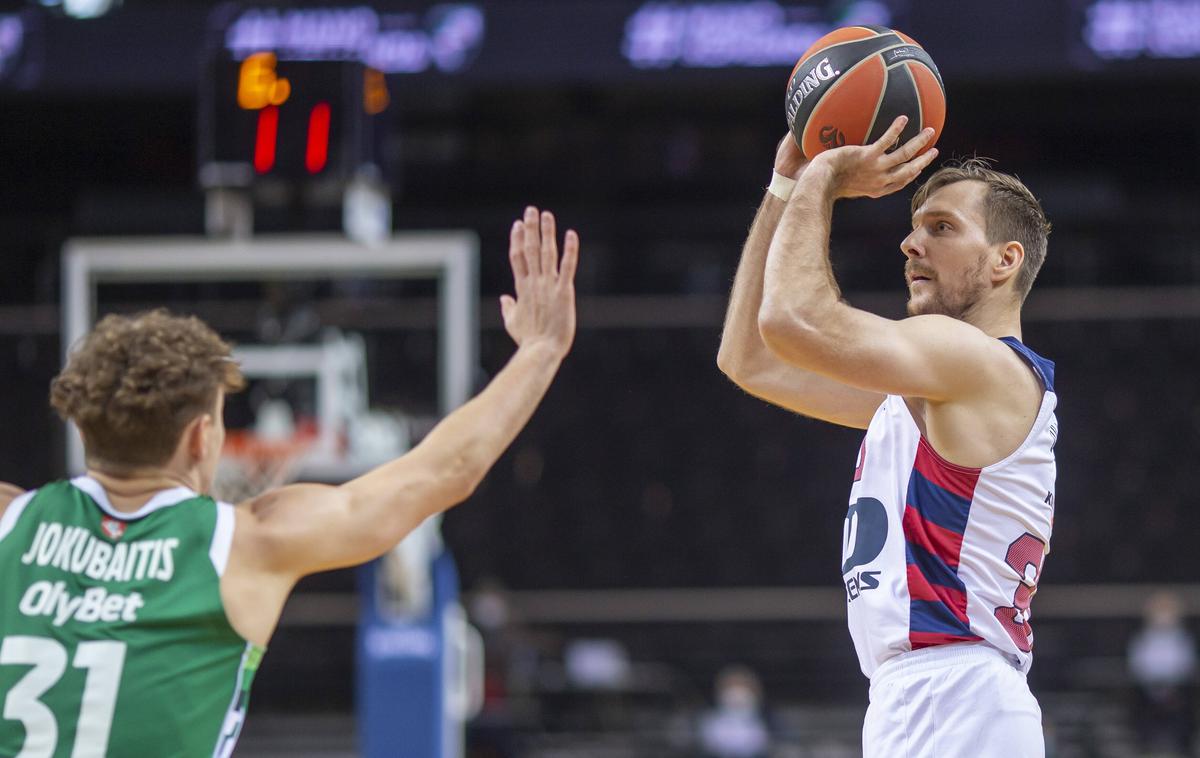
(747, 360)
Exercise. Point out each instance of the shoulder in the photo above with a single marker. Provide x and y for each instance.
(273, 505)
(946, 327)
(279, 519)
(957, 333)
(8, 493)
(12, 504)
(963, 349)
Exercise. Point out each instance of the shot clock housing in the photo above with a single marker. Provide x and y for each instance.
(297, 121)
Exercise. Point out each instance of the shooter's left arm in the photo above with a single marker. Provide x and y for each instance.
(803, 319)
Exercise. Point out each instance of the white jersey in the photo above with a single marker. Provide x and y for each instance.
(936, 553)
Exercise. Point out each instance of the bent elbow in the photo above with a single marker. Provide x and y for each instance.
(784, 334)
(469, 483)
(741, 363)
(728, 364)
(775, 328)
(461, 477)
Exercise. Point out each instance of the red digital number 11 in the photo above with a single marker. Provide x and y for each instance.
(316, 148)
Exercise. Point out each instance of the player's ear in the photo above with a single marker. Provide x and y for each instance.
(196, 436)
(1009, 262)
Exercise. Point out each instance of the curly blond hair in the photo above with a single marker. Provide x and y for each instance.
(134, 382)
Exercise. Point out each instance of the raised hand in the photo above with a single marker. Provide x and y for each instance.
(872, 171)
(543, 311)
(789, 159)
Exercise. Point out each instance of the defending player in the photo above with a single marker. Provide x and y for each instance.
(133, 608)
(953, 493)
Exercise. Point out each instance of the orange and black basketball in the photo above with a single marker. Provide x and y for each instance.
(852, 83)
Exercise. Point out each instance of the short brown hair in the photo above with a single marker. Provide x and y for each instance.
(1010, 211)
(134, 382)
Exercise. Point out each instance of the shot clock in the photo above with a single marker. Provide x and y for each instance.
(294, 121)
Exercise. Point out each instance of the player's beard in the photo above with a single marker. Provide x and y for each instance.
(944, 300)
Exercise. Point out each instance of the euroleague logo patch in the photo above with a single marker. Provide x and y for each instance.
(112, 528)
(831, 137)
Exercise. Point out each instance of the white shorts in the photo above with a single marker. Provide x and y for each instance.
(952, 701)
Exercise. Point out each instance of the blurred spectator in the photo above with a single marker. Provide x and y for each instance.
(737, 727)
(597, 664)
(1162, 659)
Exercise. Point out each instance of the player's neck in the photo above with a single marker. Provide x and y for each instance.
(130, 490)
(995, 319)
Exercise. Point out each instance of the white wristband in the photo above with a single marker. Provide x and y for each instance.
(781, 186)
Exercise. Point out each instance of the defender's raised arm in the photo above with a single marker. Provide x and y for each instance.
(305, 528)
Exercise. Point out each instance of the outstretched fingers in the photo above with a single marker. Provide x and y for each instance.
(889, 138)
(570, 259)
(909, 150)
(533, 253)
(549, 253)
(516, 252)
(532, 241)
(906, 172)
(543, 309)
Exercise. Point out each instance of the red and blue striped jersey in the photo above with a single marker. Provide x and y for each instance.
(936, 553)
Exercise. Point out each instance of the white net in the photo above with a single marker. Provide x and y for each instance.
(250, 466)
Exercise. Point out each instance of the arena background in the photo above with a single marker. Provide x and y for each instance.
(654, 524)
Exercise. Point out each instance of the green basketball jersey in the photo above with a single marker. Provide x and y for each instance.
(113, 638)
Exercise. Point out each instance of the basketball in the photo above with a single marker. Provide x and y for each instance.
(852, 83)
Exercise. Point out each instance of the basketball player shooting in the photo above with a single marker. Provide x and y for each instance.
(134, 608)
(953, 495)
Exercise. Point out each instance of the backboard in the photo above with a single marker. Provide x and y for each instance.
(317, 320)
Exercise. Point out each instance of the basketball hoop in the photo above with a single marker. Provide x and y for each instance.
(251, 464)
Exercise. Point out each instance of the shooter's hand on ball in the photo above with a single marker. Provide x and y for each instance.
(543, 312)
(789, 160)
(870, 170)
